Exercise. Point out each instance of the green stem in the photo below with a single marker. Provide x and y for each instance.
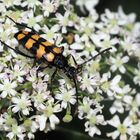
(129, 68)
(27, 85)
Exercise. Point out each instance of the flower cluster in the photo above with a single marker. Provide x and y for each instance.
(30, 102)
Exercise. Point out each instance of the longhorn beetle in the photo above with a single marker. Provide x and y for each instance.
(48, 52)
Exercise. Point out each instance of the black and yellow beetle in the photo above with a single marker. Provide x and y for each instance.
(48, 52)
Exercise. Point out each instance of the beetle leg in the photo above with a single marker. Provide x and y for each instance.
(52, 77)
(42, 68)
(76, 88)
(55, 40)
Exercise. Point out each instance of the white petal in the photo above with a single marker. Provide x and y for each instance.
(110, 93)
(3, 94)
(113, 68)
(112, 110)
(39, 18)
(116, 80)
(128, 99)
(57, 108)
(90, 89)
(64, 30)
(15, 100)
(42, 121)
(127, 121)
(122, 69)
(123, 137)
(58, 96)
(76, 46)
(73, 101)
(53, 120)
(15, 109)
(10, 135)
(114, 134)
(117, 89)
(26, 111)
(93, 131)
(125, 59)
(55, 28)
(63, 104)
(115, 121)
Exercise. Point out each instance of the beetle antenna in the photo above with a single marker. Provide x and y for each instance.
(100, 53)
(21, 24)
(11, 19)
(7, 45)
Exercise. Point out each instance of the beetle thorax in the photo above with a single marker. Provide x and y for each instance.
(60, 62)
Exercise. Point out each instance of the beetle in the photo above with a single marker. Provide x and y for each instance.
(48, 52)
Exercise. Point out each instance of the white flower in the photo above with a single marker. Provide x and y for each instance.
(125, 19)
(66, 96)
(123, 100)
(64, 21)
(111, 87)
(12, 128)
(48, 113)
(89, 82)
(136, 46)
(123, 129)
(22, 103)
(86, 27)
(32, 21)
(33, 76)
(2, 8)
(89, 50)
(50, 6)
(136, 78)
(127, 44)
(2, 121)
(31, 3)
(85, 107)
(18, 73)
(5, 30)
(7, 87)
(93, 67)
(40, 94)
(16, 131)
(117, 106)
(104, 40)
(125, 95)
(39, 99)
(136, 128)
(51, 33)
(77, 45)
(113, 20)
(118, 62)
(93, 120)
(136, 103)
(30, 126)
(10, 3)
(89, 4)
